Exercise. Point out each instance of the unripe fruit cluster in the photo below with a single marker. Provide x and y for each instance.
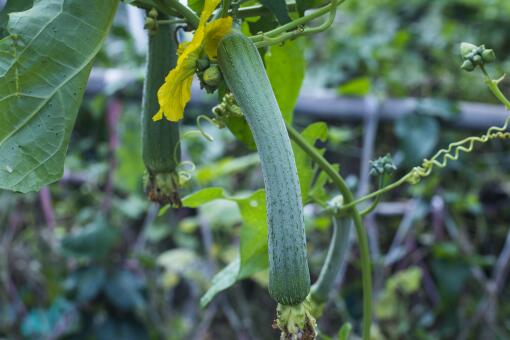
(209, 75)
(475, 56)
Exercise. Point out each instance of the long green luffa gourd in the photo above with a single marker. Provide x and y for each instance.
(160, 140)
(244, 73)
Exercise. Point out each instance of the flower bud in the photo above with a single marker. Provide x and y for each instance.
(153, 13)
(150, 24)
(467, 65)
(466, 49)
(203, 64)
(488, 56)
(212, 76)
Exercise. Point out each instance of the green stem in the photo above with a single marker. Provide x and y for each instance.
(150, 4)
(379, 192)
(377, 199)
(171, 22)
(269, 41)
(358, 223)
(296, 23)
(183, 10)
(338, 246)
(493, 86)
(259, 10)
(225, 6)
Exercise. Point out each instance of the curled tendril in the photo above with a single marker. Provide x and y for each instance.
(210, 120)
(441, 158)
(185, 174)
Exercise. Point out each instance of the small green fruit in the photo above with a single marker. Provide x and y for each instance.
(203, 64)
(488, 56)
(467, 65)
(466, 49)
(153, 13)
(212, 76)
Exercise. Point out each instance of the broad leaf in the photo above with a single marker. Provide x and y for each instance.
(94, 241)
(203, 196)
(241, 130)
(253, 244)
(285, 65)
(10, 7)
(196, 5)
(418, 136)
(279, 9)
(86, 283)
(345, 331)
(356, 87)
(304, 164)
(303, 5)
(223, 280)
(225, 167)
(44, 66)
(123, 289)
(318, 191)
(254, 256)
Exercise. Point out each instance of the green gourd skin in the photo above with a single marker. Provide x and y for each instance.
(160, 140)
(335, 258)
(244, 73)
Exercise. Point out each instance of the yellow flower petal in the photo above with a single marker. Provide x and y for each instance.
(209, 7)
(182, 47)
(175, 93)
(213, 34)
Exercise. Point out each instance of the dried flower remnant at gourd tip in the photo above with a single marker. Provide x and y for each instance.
(175, 93)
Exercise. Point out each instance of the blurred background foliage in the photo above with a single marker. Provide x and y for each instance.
(89, 258)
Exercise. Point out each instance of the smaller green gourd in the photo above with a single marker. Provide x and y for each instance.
(245, 75)
(160, 140)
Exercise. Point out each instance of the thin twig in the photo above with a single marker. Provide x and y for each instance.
(502, 266)
(466, 248)
(113, 111)
(47, 207)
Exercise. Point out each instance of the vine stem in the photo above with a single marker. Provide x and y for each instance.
(225, 6)
(377, 193)
(259, 10)
(336, 256)
(366, 271)
(492, 84)
(280, 33)
(150, 4)
(183, 10)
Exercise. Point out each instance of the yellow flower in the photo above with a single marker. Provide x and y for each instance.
(175, 93)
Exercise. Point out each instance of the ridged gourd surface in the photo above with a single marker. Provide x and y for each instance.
(244, 73)
(159, 139)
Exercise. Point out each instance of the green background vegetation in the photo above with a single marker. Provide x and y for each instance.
(103, 263)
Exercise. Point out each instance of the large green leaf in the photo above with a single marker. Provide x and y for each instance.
(303, 5)
(44, 67)
(254, 253)
(285, 66)
(253, 244)
(10, 7)
(225, 167)
(95, 241)
(196, 5)
(279, 9)
(304, 164)
(418, 136)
